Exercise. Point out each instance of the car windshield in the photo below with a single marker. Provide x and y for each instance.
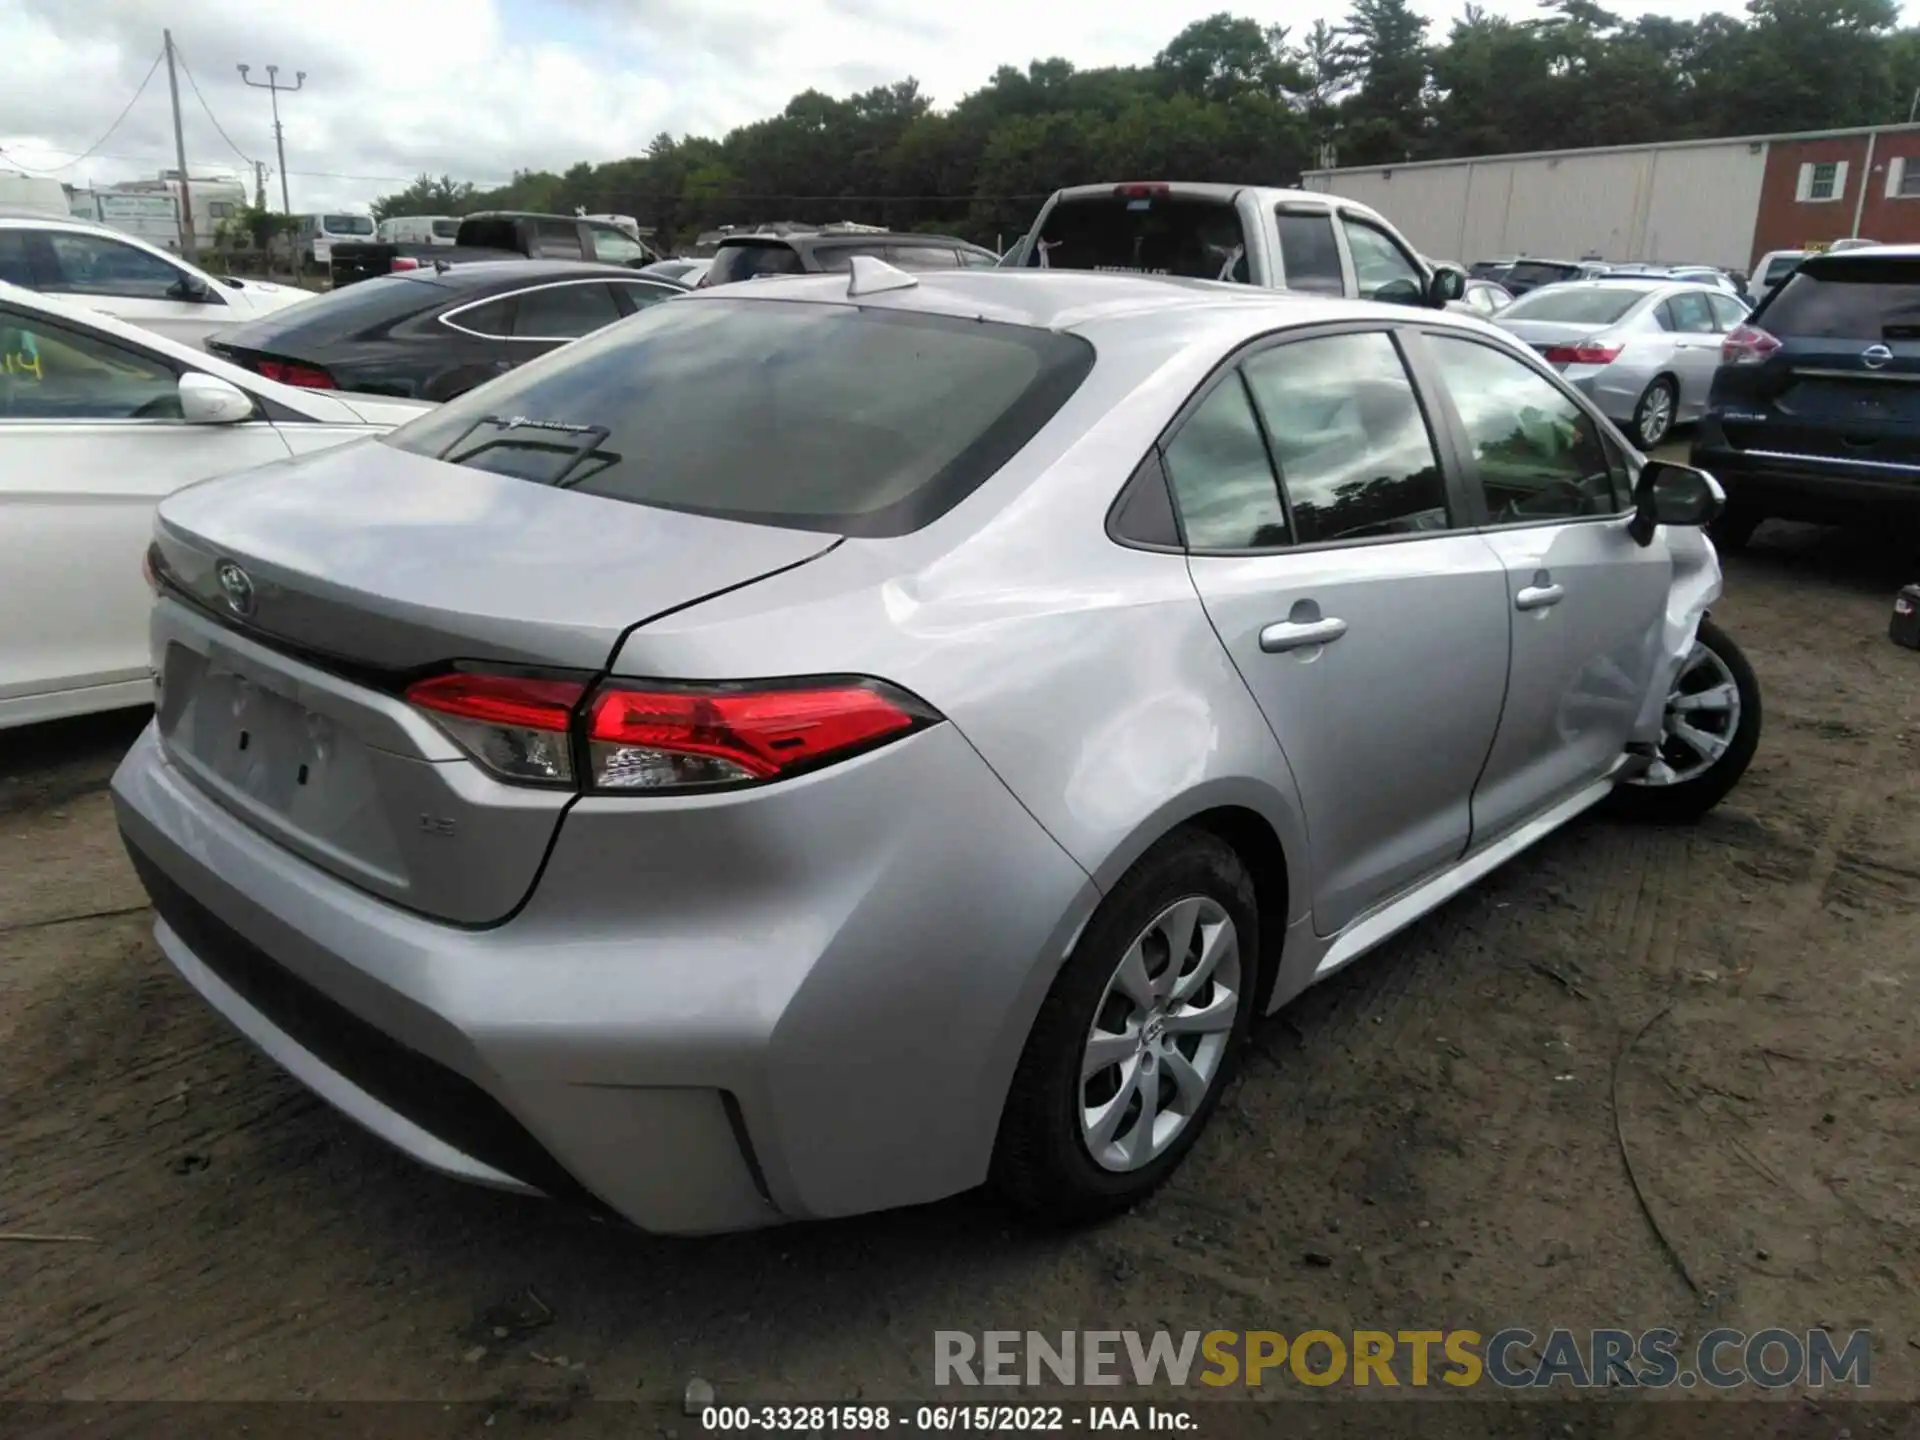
(347, 225)
(1149, 233)
(445, 229)
(1599, 304)
(814, 417)
(1866, 299)
(1781, 267)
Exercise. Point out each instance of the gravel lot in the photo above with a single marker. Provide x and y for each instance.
(1433, 1139)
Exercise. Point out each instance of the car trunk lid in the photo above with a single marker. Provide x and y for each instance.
(303, 605)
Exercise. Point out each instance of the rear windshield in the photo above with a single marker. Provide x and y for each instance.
(1842, 299)
(445, 229)
(813, 417)
(744, 262)
(1542, 272)
(1149, 235)
(1600, 305)
(347, 225)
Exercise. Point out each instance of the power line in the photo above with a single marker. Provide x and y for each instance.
(181, 56)
(89, 151)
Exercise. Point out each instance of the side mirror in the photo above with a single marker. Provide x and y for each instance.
(1670, 494)
(209, 400)
(1445, 286)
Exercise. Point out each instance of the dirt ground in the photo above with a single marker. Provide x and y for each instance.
(1434, 1139)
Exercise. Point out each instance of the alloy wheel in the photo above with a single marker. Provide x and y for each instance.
(1159, 1034)
(1701, 718)
(1656, 414)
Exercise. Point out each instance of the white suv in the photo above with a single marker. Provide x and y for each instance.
(105, 270)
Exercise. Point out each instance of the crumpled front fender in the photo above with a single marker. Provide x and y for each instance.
(1694, 588)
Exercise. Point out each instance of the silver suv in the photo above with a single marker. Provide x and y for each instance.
(824, 744)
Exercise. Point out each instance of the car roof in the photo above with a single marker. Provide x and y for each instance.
(1139, 309)
(1867, 252)
(479, 274)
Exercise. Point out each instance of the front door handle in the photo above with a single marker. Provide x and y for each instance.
(1537, 597)
(1284, 635)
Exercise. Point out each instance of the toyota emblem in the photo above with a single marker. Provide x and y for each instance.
(1874, 356)
(236, 586)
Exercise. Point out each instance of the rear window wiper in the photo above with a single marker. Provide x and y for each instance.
(582, 441)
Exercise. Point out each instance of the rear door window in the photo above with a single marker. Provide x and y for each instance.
(563, 312)
(492, 320)
(1151, 234)
(817, 417)
(1848, 300)
(1308, 252)
(48, 372)
(1351, 444)
(1222, 477)
(746, 262)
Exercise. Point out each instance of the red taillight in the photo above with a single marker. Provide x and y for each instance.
(516, 726)
(671, 738)
(1142, 191)
(1582, 354)
(1747, 345)
(288, 372)
(402, 262)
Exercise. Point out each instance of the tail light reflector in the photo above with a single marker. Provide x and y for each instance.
(291, 372)
(515, 726)
(1747, 345)
(668, 738)
(1582, 354)
(1143, 191)
(402, 262)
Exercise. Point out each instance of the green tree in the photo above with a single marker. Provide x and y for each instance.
(1385, 118)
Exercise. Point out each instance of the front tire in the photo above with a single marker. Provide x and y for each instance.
(1708, 736)
(1654, 411)
(1137, 1038)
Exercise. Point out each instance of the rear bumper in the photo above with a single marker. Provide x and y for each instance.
(1814, 488)
(825, 1026)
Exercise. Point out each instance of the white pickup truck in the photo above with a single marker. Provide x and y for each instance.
(1252, 235)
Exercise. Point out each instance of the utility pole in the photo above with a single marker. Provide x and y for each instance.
(273, 87)
(188, 247)
(259, 184)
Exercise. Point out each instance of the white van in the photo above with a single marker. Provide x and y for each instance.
(314, 237)
(418, 230)
(33, 195)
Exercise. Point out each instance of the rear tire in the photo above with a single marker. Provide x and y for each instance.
(1653, 412)
(1696, 717)
(1075, 1139)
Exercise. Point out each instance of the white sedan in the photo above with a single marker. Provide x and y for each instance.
(98, 421)
(123, 276)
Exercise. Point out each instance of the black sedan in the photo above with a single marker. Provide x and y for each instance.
(434, 334)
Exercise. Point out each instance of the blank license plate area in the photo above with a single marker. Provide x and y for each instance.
(298, 765)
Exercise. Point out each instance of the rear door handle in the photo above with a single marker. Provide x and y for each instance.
(1284, 635)
(1537, 597)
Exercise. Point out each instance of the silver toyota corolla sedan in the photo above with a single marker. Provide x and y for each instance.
(1643, 350)
(823, 745)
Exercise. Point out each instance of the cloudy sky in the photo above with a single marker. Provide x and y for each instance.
(480, 88)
